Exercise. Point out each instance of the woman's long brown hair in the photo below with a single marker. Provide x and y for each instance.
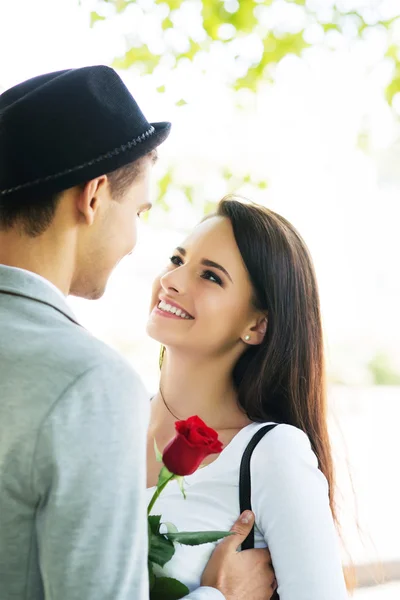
(284, 377)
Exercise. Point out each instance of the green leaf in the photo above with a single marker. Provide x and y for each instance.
(180, 481)
(164, 476)
(181, 102)
(330, 27)
(94, 17)
(394, 87)
(161, 89)
(162, 203)
(290, 43)
(214, 14)
(167, 24)
(393, 52)
(171, 528)
(196, 538)
(161, 549)
(166, 588)
(172, 4)
(188, 190)
(209, 207)
(275, 48)
(382, 370)
(140, 57)
(244, 19)
(152, 578)
(121, 5)
(154, 522)
(164, 182)
(157, 452)
(193, 50)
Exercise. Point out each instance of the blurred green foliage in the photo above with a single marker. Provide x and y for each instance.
(246, 18)
(383, 373)
(167, 33)
(393, 88)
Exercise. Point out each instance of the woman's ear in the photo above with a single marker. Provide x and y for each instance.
(255, 335)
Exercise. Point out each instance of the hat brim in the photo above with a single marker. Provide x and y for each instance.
(163, 130)
(101, 165)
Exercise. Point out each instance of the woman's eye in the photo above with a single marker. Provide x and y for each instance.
(210, 276)
(176, 260)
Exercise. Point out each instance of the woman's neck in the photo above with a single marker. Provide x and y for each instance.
(192, 386)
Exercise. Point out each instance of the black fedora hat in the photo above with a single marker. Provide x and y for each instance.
(64, 128)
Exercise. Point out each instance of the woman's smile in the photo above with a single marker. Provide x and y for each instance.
(169, 309)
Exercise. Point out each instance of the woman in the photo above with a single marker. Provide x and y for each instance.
(237, 311)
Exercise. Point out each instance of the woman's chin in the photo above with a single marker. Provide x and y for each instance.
(165, 338)
(154, 331)
(151, 330)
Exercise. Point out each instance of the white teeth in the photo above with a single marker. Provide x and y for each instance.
(172, 309)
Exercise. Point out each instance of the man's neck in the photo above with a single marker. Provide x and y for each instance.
(41, 255)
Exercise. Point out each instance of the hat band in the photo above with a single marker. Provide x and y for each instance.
(110, 154)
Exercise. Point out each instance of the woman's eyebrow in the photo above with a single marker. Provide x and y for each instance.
(208, 263)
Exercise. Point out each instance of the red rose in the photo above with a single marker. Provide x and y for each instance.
(192, 443)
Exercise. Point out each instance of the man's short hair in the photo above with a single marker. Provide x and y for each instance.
(35, 215)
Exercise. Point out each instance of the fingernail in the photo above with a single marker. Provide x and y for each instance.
(246, 517)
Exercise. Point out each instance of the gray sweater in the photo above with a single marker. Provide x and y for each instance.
(73, 421)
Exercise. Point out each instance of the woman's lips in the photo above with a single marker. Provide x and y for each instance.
(172, 310)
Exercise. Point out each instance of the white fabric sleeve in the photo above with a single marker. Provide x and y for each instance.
(89, 470)
(291, 504)
(205, 593)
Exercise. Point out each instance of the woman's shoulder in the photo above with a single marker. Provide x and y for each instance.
(283, 462)
(283, 445)
(279, 436)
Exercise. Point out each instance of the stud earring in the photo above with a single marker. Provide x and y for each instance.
(247, 337)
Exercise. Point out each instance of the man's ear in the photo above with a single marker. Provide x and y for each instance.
(255, 334)
(89, 197)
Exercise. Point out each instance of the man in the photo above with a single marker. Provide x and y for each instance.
(76, 155)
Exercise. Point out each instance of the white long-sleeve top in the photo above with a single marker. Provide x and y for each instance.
(290, 500)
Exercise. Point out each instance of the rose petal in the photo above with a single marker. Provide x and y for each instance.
(193, 442)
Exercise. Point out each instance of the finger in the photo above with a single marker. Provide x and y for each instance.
(241, 528)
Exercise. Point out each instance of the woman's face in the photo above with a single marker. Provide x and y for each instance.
(202, 301)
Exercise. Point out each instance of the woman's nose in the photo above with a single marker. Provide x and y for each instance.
(175, 281)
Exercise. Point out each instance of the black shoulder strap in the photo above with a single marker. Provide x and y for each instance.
(245, 479)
